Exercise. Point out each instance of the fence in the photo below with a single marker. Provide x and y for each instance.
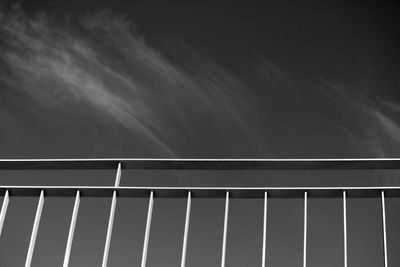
(227, 193)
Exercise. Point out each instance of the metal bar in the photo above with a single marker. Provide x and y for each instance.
(147, 232)
(4, 207)
(71, 230)
(384, 228)
(202, 192)
(265, 229)
(35, 230)
(202, 164)
(185, 235)
(109, 229)
(118, 176)
(345, 228)
(225, 229)
(111, 218)
(305, 231)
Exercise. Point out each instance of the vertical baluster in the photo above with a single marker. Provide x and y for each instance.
(265, 229)
(72, 229)
(345, 228)
(305, 231)
(111, 217)
(147, 232)
(225, 229)
(4, 207)
(384, 228)
(35, 230)
(185, 235)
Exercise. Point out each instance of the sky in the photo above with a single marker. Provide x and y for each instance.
(199, 79)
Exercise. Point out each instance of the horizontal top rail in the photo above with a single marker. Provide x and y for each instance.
(200, 192)
(201, 164)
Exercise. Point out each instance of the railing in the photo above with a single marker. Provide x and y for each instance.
(266, 193)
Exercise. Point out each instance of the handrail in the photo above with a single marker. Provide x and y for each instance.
(201, 164)
(201, 192)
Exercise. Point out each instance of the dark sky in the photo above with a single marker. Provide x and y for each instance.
(200, 79)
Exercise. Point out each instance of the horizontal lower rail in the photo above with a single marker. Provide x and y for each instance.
(202, 164)
(201, 192)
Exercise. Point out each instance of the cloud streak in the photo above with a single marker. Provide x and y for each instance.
(100, 69)
(96, 81)
(371, 124)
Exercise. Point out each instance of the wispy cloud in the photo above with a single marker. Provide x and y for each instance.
(97, 75)
(372, 125)
(102, 70)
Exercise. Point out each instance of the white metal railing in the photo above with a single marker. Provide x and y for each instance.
(117, 191)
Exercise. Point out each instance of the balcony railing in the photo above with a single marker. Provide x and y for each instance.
(227, 193)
